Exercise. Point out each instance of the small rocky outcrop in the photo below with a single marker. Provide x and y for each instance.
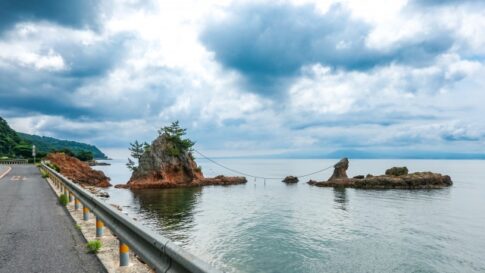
(78, 171)
(395, 178)
(159, 167)
(397, 171)
(290, 179)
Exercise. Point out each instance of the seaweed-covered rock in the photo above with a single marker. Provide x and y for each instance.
(290, 179)
(397, 171)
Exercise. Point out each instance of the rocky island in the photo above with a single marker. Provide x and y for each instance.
(78, 171)
(395, 178)
(168, 163)
(290, 179)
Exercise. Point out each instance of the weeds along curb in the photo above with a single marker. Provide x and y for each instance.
(108, 255)
(6, 172)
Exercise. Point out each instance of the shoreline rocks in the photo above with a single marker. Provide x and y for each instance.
(219, 180)
(395, 178)
(78, 171)
(290, 179)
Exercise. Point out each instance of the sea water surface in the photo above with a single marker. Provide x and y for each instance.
(268, 226)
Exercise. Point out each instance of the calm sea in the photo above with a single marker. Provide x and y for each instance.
(268, 226)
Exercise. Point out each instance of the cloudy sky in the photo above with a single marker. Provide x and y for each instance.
(249, 77)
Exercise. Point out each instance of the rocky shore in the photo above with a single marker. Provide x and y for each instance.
(159, 167)
(151, 184)
(78, 171)
(395, 178)
(290, 179)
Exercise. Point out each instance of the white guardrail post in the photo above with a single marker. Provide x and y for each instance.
(157, 251)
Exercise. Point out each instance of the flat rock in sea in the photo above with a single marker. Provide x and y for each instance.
(290, 179)
(395, 178)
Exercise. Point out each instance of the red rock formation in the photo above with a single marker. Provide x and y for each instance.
(160, 168)
(78, 171)
(158, 184)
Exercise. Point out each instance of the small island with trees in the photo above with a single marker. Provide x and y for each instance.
(168, 162)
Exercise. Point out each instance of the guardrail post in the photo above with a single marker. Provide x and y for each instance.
(85, 213)
(77, 204)
(71, 197)
(124, 254)
(99, 227)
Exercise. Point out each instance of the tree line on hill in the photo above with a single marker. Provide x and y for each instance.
(19, 145)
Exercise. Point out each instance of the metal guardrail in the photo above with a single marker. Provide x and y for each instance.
(13, 161)
(157, 251)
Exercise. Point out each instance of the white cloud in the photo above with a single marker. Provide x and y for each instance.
(164, 73)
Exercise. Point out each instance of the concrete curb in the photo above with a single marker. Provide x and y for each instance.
(109, 253)
(6, 172)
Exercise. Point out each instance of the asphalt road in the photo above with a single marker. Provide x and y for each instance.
(36, 234)
(3, 168)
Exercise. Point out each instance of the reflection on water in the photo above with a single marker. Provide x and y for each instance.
(173, 209)
(340, 198)
(273, 227)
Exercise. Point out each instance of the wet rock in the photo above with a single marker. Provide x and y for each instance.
(395, 178)
(397, 171)
(290, 179)
(116, 207)
(218, 180)
(312, 182)
(102, 194)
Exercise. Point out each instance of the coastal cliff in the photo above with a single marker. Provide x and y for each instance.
(395, 178)
(78, 171)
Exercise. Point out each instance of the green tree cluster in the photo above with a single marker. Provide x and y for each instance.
(174, 134)
(137, 149)
(19, 145)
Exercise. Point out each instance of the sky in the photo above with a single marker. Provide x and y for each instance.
(249, 78)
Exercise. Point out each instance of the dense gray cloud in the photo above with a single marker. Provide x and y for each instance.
(271, 43)
(72, 13)
(40, 72)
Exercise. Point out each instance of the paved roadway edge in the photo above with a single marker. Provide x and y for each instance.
(108, 257)
(6, 172)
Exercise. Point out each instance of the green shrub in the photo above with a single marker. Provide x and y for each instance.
(44, 173)
(54, 167)
(63, 199)
(94, 246)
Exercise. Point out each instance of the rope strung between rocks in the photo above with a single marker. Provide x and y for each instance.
(255, 176)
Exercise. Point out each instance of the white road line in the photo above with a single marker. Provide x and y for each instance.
(6, 172)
